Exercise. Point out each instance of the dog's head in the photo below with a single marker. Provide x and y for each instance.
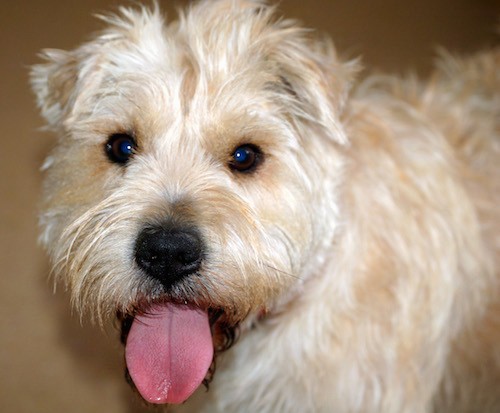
(194, 178)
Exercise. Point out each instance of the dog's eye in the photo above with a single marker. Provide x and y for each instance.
(245, 158)
(120, 147)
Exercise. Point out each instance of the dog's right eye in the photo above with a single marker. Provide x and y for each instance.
(120, 147)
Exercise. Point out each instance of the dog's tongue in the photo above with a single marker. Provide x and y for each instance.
(169, 352)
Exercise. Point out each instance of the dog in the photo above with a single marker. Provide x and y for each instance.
(264, 221)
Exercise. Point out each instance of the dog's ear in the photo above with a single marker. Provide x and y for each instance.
(65, 79)
(305, 75)
(54, 84)
(316, 81)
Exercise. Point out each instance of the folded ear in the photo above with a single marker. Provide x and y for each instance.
(304, 73)
(311, 81)
(66, 79)
(316, 80)
(54, 84)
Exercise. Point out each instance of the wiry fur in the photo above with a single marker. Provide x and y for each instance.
(369, 234)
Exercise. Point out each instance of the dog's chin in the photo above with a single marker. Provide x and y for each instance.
(223, 330)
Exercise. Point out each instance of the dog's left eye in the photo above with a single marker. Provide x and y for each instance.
(120, 147)
(245, 158)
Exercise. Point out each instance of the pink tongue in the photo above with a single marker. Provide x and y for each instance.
(168, 352)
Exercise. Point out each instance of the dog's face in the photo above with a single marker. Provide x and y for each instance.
(196, 167)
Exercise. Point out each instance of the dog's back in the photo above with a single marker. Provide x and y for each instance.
(469, 98)
(451, 126)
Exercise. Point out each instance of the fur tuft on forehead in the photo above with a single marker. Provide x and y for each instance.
(209, 49)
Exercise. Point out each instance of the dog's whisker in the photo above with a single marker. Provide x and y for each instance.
(288, 274)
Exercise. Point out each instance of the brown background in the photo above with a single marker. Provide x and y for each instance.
(48, 362)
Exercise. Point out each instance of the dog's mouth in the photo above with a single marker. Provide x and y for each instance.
(170, 349)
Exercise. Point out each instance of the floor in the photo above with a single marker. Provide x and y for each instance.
(49, 362)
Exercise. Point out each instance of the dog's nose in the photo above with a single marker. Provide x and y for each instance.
(169, 254)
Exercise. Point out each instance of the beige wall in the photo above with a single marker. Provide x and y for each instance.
(48, 363)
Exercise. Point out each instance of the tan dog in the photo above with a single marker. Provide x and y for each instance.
(218, 176)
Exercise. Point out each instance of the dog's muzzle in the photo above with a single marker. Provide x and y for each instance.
(170, 343)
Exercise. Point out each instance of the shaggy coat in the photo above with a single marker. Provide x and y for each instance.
(358, 262)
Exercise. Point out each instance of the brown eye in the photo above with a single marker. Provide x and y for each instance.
(120, 147)
(245, 158)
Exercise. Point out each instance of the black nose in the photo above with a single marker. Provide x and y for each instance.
(169, 254)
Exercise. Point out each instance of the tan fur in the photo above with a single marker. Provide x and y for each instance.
(369, 234)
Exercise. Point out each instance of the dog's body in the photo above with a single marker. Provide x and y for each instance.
(351, 236)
